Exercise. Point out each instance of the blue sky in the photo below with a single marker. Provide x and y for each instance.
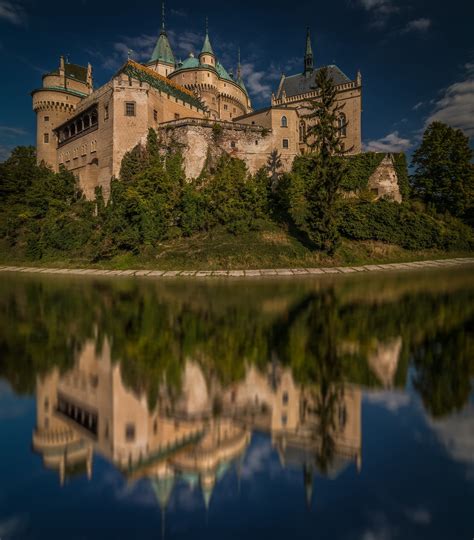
(416, 58)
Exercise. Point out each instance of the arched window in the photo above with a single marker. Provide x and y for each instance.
(342, 125)
(302, 131)
(284, 121)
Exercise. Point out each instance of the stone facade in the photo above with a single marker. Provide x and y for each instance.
(383, 182)
(88, 131)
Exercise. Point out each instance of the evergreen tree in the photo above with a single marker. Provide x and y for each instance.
(444, 174)
(321, 181)
(274, 164)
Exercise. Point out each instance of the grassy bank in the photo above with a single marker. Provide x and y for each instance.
(271, 247)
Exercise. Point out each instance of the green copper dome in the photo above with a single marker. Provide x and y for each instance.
(162, 51)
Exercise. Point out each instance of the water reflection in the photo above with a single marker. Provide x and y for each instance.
(179, 384)
(198, 435)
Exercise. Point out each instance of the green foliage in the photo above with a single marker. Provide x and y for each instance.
(360, 168)
(402, 224)
(401, 168)
(444, 173)
(217, 131)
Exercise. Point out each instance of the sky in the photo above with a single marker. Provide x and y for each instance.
(416, 57)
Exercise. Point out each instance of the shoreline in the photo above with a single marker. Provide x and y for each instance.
(273, 273)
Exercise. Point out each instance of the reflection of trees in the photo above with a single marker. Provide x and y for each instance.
(153, 329)
(444, 369)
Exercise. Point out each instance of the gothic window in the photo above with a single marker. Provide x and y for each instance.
(285, 143)
(284, 121)
(129, 108)
(302, 131)
(342, 125)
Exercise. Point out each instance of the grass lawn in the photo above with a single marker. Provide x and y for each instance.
(271, 247)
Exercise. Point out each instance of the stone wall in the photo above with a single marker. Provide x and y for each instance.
(384, 180)
(202, 144)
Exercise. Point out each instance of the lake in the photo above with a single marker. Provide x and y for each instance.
(332, 407)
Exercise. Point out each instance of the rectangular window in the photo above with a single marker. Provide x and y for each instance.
(46, 138)
(285, 143)
(129, 108)
(176, 116)
(155, 115)
(46, 118)
(106, 112)
(130, 432)
(225, 107)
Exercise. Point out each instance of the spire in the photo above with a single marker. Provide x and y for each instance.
(162, 51)
(239, 79)
(308, 484)
(207, 47)
(308, 57)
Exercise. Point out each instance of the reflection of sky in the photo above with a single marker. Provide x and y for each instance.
(416, 482)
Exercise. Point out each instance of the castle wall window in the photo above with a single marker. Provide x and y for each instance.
(232, 144)
(284, 121)
(106, 112)
(285, 398)
(225, 107)
(342, 125)
(155, 115)
(130, 432)
(129, 108)
(285, 143)
(176, 116)
(46, 138)
(46, 118)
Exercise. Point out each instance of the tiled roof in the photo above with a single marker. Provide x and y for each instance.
(302, 84)
(142, 73)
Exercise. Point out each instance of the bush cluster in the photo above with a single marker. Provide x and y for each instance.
(403, 224)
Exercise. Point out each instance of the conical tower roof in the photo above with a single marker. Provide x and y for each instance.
(207, 47)
(162, 51)
(163, 487)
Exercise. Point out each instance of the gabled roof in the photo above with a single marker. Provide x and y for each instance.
(142, 73)
(303, 83)
(162, 51)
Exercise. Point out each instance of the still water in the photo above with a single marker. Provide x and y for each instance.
(322, 408)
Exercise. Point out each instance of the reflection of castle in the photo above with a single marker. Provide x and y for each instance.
(197, 437)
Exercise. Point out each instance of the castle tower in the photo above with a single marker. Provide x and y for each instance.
(162, 60)
(207, 56)
(308, 57)
(55, 102)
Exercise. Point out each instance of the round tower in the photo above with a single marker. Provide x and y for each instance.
(55, 102)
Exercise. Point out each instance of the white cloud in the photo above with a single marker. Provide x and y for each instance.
(256, 80)
(391, 400)
(380, 10)
(185, 43)
(456, 105)
(421, 516)
(456, 433)
(418, 25)
(12, 131)
(12, 12)
(417, 106)
(390, 143)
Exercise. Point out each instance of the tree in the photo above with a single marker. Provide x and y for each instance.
(274, 164)
(444, 174)
(322, 178)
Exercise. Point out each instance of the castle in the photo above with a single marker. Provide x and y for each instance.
(89, 130)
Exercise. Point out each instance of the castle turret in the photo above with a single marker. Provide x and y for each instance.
(162, 60)
(207, 56)
(308, 57)
(55, 102)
